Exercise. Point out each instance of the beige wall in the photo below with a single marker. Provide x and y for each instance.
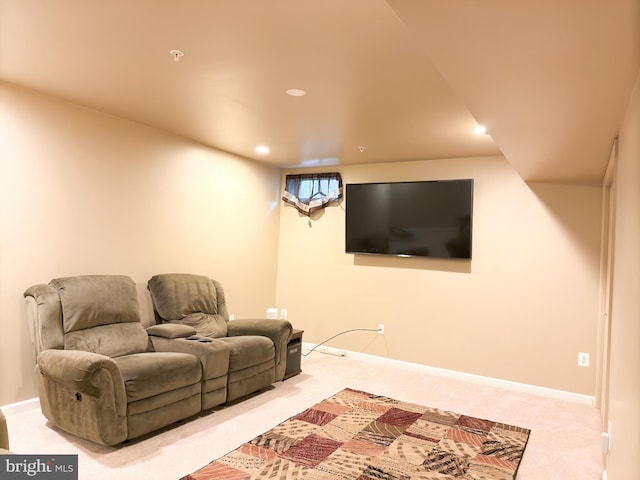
(83, 193)
(521, 310)
(624, 381)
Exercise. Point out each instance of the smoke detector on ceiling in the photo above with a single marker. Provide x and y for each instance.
(177, 55)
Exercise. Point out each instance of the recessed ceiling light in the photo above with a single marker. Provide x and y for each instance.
(480, 130)
(262, 149)
(296, 92)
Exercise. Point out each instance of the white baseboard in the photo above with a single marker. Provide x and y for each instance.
(20, 407)
(31, 403)
(469, 377)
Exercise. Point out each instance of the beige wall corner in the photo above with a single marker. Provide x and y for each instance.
(83, 192)
(520, 310)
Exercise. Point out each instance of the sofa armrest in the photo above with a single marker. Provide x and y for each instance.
(276, 330)
(171, 330)
(84, 394)
(279, 331)
(76, 370)
(4, 434)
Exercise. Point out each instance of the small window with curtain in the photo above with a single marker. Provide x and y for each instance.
(311, 192)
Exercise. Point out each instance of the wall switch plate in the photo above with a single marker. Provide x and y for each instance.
(583, 359)
(232, 316)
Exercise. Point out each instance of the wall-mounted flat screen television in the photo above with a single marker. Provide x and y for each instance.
(422, 219)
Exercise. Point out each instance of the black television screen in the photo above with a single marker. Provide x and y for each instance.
(424, 219)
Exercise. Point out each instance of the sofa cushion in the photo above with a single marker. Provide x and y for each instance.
(92, 300)
(249, 350)
(190, 300)
(100, 314)
(213, 326)
(110, 340)
(176, 295)
(148, 374)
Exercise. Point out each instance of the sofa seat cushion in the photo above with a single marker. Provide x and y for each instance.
(149, 374)
(248, 350)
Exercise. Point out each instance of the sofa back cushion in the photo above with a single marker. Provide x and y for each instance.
(188, 299)
(100, 313)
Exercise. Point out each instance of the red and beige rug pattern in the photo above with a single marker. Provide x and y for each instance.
(360, 436)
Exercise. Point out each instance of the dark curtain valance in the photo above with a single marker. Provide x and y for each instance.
(310, 192)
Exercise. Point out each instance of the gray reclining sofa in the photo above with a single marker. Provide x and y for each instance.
(104, 377)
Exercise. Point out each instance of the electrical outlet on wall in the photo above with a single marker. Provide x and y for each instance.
(283, 313)
(583, 359)
(381, 329)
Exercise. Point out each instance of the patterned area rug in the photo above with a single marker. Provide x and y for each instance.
(357, 435)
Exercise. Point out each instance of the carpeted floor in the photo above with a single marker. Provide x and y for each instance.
(564, 443)
(362, 436)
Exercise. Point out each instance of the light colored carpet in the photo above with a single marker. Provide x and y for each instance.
(564, 442)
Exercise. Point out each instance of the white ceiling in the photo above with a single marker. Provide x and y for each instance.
(406, 79)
